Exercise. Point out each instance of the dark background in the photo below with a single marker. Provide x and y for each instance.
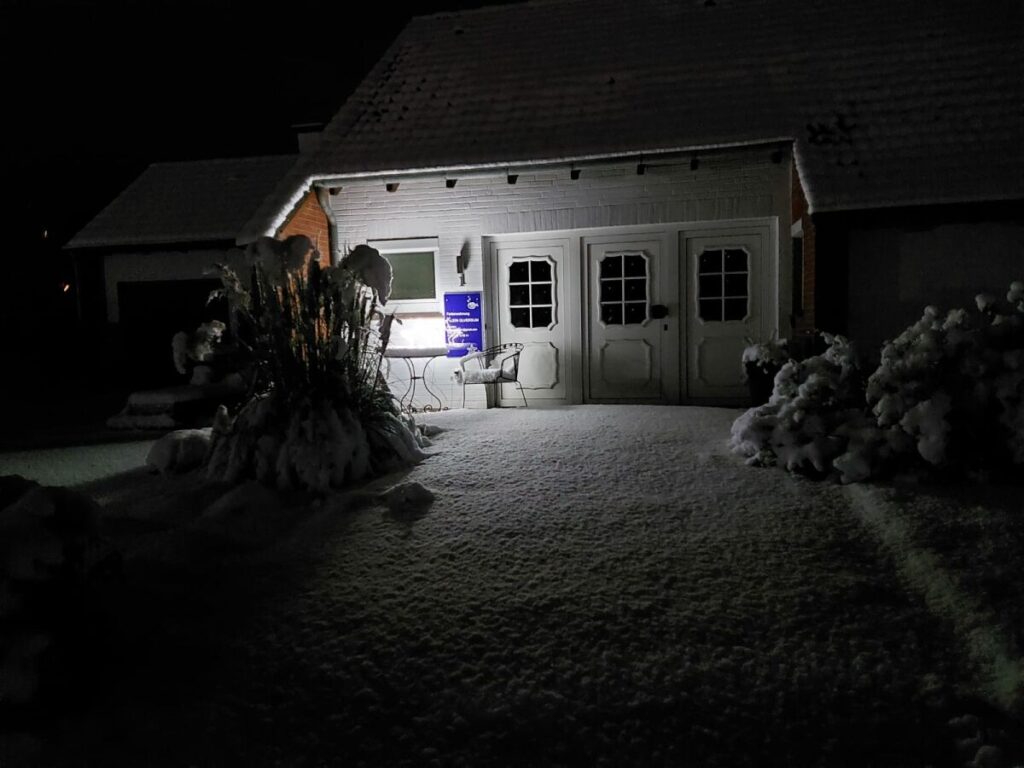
(94, 91)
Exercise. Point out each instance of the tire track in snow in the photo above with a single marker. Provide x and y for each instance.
(1001, 671)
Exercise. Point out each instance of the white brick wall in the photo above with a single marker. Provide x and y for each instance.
(736, 184)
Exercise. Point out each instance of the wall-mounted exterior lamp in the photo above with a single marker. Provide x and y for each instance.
(450, 183)
(334, 190)
(641, 169)
(694, 163)
(460, 267)
(513, 178)
(574, 174)
(391, 186)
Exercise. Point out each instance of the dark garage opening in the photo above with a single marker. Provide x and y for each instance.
(151, 313)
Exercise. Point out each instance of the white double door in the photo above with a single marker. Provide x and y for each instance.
(651, 317)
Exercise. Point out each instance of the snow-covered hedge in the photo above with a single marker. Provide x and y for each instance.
(947, 394)
(319, 414)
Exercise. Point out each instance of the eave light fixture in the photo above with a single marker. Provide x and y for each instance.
(574, 174)
(641, 169)
(391, 186)
(450, 183)
(512, 178)
(694, 163)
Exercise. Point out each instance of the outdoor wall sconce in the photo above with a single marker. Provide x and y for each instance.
(334, 190)
(777, 156)
(694, 163)
(574, 174)
(460, 267)
(391, 186)
(461, 260)
(641, 169)
(450, 183)
(513, 178)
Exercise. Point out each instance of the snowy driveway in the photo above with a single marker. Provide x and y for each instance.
(594, 585)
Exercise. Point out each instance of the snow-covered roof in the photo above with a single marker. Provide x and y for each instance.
(204, 200)
(889, 102)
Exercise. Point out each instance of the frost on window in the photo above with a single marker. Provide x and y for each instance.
(531, 293)
(723, 284)
(622, 289)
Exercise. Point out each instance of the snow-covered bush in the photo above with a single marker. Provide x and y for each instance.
(954, 384)
(198, 347)
(761, 363)
(766, 355)
(948, 394)
(319, 414)
(811, 399)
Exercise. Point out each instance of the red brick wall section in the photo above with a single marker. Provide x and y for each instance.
(309, 219)
(805, 323)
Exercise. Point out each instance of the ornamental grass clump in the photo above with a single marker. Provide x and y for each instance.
(318, 413)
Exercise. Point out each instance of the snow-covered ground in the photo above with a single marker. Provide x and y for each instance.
(77, 464)
(592, 585)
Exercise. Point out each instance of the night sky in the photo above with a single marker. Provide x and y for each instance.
(96, 90)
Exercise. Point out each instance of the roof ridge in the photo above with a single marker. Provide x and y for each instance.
(218, 160)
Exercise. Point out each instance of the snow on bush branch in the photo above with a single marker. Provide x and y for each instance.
(318, 412)
(947, 394)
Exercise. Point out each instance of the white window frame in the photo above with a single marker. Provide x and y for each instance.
(407, 245)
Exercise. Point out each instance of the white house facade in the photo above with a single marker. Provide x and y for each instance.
(627, 281)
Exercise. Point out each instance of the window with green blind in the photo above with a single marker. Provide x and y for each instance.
(413, 275)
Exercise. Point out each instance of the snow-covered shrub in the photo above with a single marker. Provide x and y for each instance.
(319, 413)
(954, 384)
(948, 393)
(198, 347)
(811, 399)
(766, 355)
(180, 450)
(761, 363)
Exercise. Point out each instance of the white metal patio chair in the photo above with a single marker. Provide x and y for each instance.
(497, 365)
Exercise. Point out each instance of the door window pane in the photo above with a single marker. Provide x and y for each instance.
(611, 314)
(636, 266)
(710, 261)
(622, 288)
(735, 309)
(736, 285)
(611, 290)
(635, 313)
(711, 309)
(518, 295)
(723, 290)
(519, 272)
(520, 317)
(531, 293)
(735, 260)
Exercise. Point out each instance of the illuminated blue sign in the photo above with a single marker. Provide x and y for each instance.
(463, 323)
